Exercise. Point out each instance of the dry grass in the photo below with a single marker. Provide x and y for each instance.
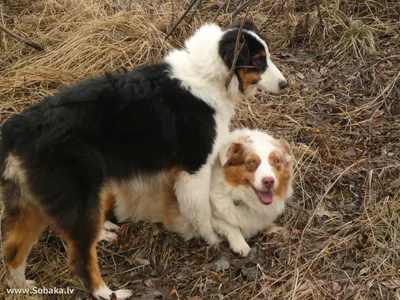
(341, 236)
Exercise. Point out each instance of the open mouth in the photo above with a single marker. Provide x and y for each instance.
(265, 198)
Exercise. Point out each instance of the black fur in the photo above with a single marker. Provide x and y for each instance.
(249, 47)
(109, 127)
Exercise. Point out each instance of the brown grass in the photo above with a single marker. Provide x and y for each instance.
(341, 236)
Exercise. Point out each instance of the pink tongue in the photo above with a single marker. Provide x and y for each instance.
(266, 197)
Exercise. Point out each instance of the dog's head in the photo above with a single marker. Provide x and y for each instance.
(254, 68)
(256, 161)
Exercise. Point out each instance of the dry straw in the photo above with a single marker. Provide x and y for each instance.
(340, 236)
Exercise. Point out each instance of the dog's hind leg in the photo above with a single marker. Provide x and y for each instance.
(23, 222)
(193, 192)
(82, 237)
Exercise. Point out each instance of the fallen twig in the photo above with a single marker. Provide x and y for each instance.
(27, 42)
(172, 13)
(321, 21)
(220, 8)
(181, 18)
(276, 17)
(195, 7)
(240, 8)
(237, 49)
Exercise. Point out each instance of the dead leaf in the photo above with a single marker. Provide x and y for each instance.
(365, 271)
(275, 229)
(138, 261)
(336, 287)
(393, 284)
(301, 76)
(149, 282)
(351, 151)
(323, 71)
(320, 212)
(195, 298)
(395, 184)
(222, 264)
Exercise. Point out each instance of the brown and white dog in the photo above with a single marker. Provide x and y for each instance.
(250, 183)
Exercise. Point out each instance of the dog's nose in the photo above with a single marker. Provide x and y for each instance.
(283, 84)
(268, 182)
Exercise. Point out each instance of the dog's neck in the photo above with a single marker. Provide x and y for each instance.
(202, 71)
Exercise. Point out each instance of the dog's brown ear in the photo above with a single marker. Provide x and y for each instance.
(284, 145)
(232, 155)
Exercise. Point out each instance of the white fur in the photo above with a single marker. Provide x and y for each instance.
(271, 78)
(104, 292)
(16, 277)
(203, 72)
(243, 221)
(235, 222)
(107, 233)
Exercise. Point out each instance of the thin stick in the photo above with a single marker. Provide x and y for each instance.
(181, 18)
(27, 42)
(276, 17)
(237, 50)
(196, 6)
(172, 13)
(319, 14)
(129, 5)
(240, 8)
(220, 8)
(116, 5)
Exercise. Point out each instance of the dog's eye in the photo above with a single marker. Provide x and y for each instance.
(276, 161)
(257, 61)
(251, 163)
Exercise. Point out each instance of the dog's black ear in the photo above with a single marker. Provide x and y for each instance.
(232, 155)
(227, 47)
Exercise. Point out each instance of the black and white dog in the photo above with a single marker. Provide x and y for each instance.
(58, 155)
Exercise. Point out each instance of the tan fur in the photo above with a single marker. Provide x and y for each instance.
(241, 165)
(248, 78)
(156, 203)
(23, 232)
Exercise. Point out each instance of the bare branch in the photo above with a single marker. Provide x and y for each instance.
(276, 17)
(237, 49)
(27, 42)
(172, 13)
(196, 6)
(321, 21)
(180, 19)
(116, 5)
(129, 5)
(241, 8)
(220, 8)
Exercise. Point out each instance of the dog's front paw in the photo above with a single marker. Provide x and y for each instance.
(240, 247)
(108, 236)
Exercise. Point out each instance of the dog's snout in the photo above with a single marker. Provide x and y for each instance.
(283, 84)
(268, 182)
